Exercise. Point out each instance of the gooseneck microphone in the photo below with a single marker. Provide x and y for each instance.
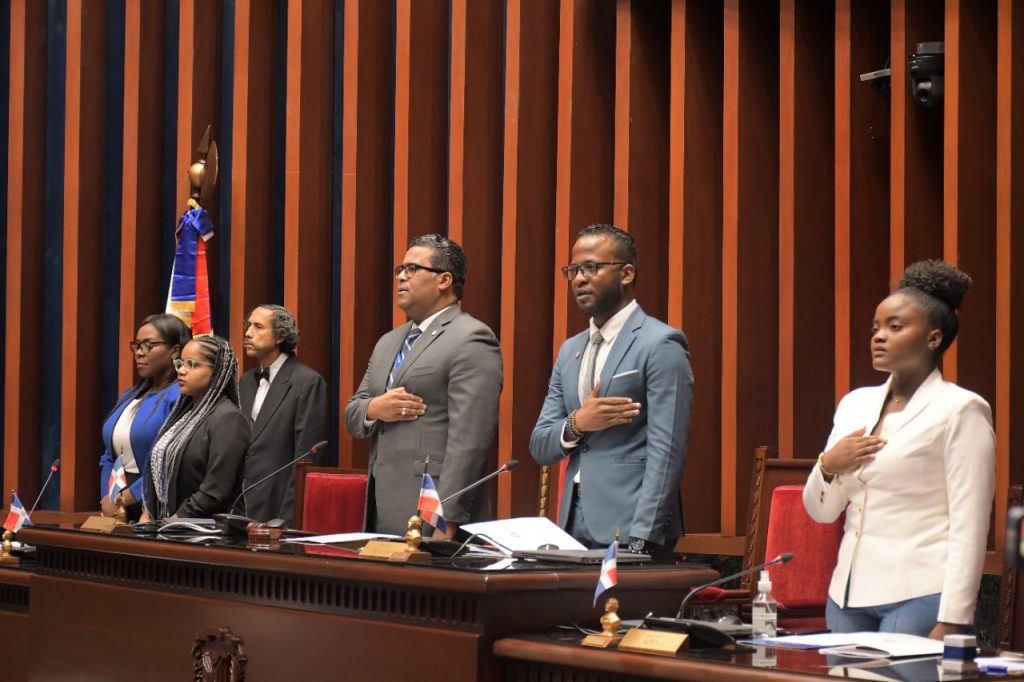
(53, 469)
(508, 466)
(312, 451)
(783, 558)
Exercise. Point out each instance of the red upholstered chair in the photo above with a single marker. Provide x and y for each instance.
(800, 586)
(329, 500)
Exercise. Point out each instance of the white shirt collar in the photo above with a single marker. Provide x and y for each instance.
(614, 324)
(427, 322)
(276, 365)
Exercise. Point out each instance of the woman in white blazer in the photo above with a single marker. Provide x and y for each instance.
(912, 463)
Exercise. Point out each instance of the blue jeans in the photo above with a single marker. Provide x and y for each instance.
(913, 616)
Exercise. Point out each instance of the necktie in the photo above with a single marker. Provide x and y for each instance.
(264, 373)
(590, 364)
(403, 352)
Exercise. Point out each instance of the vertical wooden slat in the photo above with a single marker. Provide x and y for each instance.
(252, 189)
(531, 58)
(83, 187)
(421, 121)
(898, 131)
(475, 152)
(142, 291)
(695, 240)
(787, 222)
(844, 79)
(307, 206)
(584, 185)
(643, 34)
(367, 284)
(25, 183)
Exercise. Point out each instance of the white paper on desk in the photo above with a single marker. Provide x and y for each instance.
(523, 534)
(342, 537)
(1012, 665)
(885, 645)
(817, 640)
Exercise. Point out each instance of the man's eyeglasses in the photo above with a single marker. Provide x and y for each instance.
(412, 268)
(589, 268)
(144, 346)
(189, 364)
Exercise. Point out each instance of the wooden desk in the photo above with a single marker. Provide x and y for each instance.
(102, 605)
(538, 657)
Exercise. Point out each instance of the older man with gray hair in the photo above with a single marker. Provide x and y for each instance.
(287, 402)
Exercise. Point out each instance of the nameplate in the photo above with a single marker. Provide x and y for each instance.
(99, 524)
(600, 641)
(393, 551)
(653, 641)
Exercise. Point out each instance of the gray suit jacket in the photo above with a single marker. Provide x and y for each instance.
(293, 418)
(630, 474)
(456, 368)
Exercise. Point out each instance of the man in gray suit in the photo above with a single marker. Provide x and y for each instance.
(287, 402)
(618, 407)
(431, 388)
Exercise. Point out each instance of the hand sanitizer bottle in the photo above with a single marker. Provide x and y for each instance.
(764, 614)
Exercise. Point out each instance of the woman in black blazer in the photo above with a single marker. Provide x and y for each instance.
(195, 468)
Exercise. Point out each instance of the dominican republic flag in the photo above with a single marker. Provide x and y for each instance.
(117, 481)
(17, 517)
(430, 503)
(189, 294)
(609, 570)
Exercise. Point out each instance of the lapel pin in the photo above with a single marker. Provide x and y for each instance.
(577, 355)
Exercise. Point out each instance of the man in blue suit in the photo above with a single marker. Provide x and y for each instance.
(618, 406)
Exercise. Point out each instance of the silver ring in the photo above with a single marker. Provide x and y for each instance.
(403, 411)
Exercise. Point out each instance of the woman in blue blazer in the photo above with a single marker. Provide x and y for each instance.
(131, 427)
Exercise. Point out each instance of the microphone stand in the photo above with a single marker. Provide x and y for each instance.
(53, 470)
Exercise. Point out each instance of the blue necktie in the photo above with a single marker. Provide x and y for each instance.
(403, 351)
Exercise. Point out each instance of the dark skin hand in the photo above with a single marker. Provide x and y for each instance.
(599, 413)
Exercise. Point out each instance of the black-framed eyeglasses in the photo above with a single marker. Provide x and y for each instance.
(189, 364)
(412, 268)
(589, 268)
(144, 346)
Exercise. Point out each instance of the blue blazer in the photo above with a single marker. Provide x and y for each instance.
(151, 415)
(629, 474)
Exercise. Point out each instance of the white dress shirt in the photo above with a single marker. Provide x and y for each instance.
(917, 516)
(264, 387)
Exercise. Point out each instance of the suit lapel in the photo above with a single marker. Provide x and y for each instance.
(279, 388)
(247, 391)
(932, 386)
(620, 346)
(571, 387)
(433, 333)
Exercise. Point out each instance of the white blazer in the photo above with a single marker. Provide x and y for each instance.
(917, 516)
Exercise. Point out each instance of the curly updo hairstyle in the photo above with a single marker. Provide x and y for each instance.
(939, 288)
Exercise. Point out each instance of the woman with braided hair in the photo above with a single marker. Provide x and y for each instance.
(195, 467)
(912, 463)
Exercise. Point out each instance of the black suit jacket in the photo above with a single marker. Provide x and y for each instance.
(208, 475)
(293, 418)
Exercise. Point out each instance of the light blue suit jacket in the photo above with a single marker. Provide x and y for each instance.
(629, 474)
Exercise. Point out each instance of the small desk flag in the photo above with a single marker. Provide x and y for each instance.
(17, 517)
(609, 570)
(430, 504)
(118, 481)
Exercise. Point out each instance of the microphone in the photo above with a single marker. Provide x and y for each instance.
(53, 469)
(312, 451)
(783, 558)
(508, 466)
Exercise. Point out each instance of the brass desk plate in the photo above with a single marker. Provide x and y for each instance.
(100, 524)
(653, 642)
(600, 641)
(393, 551)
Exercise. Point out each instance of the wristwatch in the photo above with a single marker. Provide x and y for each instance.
(639, 546)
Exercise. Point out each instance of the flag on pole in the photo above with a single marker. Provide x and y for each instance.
(430, 504)
(118, 481)
(609, 570)
(17, 516)
(189, 295)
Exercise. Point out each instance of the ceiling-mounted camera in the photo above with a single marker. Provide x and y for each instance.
(927, 69)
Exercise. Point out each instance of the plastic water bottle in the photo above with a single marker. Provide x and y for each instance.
(765, 611)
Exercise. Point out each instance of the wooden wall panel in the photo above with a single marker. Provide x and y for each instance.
(642, 78)
(307, 208)
(142, 291)
(24, 284)
(366, 203)
(252, 172)
(475, 151)
(695, 241)
(83, 243)
(528, 215)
